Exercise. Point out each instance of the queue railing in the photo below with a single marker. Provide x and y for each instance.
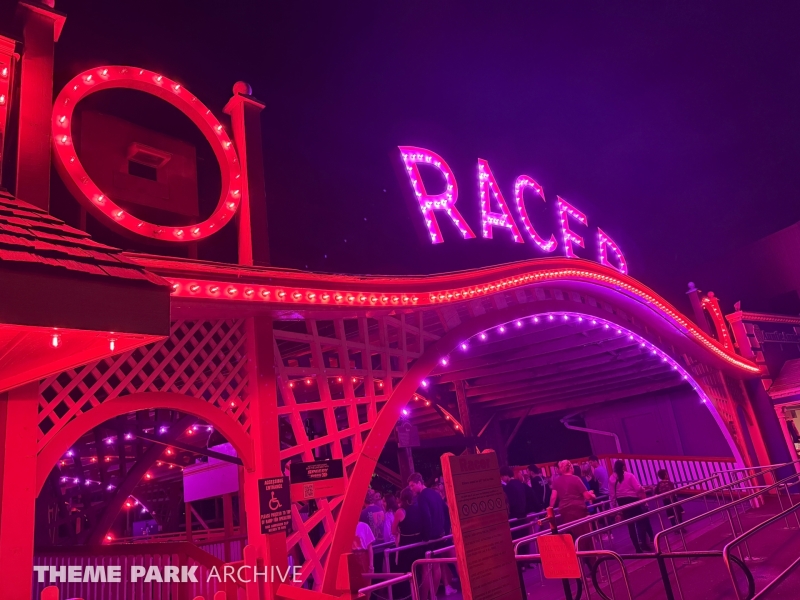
(670, 555)
(729, 558)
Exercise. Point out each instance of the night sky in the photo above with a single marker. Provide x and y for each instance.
(673, 126)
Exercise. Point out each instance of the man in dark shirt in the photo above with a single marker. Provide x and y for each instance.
(432, 508)
(432, 505)
(515, 493)
(540, 497)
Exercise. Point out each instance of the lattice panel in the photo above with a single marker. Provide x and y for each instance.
(333, 378)
(202, 359)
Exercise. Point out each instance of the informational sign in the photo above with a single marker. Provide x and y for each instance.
(276, 508)
(318, 479)
(407, 436)
(559, 559)
(481, 534)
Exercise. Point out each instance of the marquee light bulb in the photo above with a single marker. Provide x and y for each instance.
(565, 210)
(487, 186)
(428, 203)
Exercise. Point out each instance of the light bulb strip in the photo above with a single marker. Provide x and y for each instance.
(307, 298)
(94, 199)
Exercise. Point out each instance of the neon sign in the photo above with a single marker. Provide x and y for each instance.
(489, 193)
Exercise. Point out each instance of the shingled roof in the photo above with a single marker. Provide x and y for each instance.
(30, 236)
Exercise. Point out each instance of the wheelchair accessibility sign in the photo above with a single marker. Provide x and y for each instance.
(276, 509)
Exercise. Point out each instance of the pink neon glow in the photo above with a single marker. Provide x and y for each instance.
(523, 182)
(86, 191)
(487, 186)
(428, 203)
(566, 210)
(604, 243)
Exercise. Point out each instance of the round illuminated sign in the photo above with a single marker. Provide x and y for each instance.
(93, 198)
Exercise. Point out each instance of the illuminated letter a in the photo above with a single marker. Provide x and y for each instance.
(428, 203)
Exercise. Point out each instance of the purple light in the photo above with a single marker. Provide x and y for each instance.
(580, 319)
(483, 336)
(110, 487)
(444, 362)
(535, 319)
(109, 441)
(551, 317)
(194, 427)
(63, 479)
(518, 323)
(605, 326)
(619, 330)
(76, 480)
(424, 383)
(463, 346)
(70, 453)
(128, 436)
(209, 428)
(502, 329)
(594, 321)
(405, 412)
(566, 318)
(162, 429)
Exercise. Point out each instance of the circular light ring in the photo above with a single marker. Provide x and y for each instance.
(93, 198)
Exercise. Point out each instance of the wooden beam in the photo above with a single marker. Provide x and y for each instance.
(564, 355)
(533, 348)
(202, 451)
(576, 391)
(463, 408)
(581, 401)
(526, 377)
(611, 378)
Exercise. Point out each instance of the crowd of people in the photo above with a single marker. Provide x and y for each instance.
(420, 513)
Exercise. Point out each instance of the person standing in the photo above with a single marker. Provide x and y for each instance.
(663, 486)
(625, 489)
(570, 494)
(515, 494)
(600, 473)
(374, 514)
(362, 550)
(407, 530)
(432, 507)
(390, 506)
(540, 488)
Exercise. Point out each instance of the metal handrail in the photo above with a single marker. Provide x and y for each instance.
(613, 511)
(658, 509)
(664, 532)
(727, 556)
(388, 583)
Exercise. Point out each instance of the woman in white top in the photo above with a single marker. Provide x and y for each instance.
(624, 489)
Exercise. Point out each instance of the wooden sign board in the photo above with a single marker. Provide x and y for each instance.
(273, 500)
(481, 534)
(559, 559)
(318, 479)
(407, 436)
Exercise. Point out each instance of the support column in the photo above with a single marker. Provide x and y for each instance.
(493, 438)
(41, 29)
(18, 425)
(266, 444)
(245, 112)
(406, 460)
(697, 308)
(769, 425)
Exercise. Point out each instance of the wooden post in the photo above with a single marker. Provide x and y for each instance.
(189, 522)
(463, 411)
(269, 549)
(245, 114)
(227, 522)
(18, 434)
(41, 28)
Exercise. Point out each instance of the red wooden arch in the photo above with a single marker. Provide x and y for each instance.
(402, 394)
(70, 433)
